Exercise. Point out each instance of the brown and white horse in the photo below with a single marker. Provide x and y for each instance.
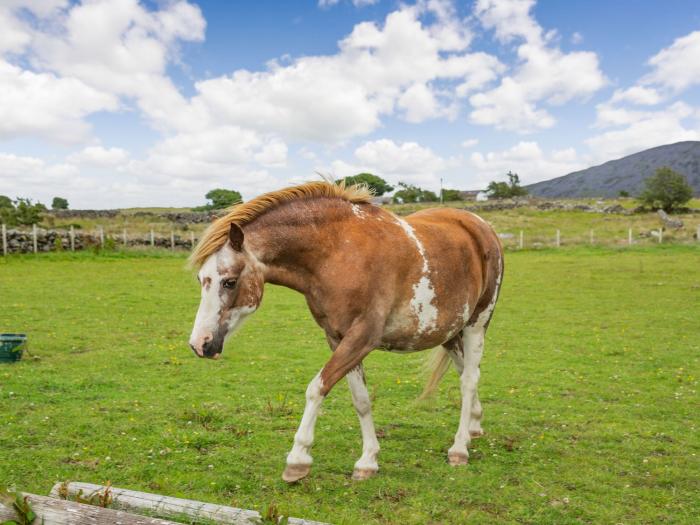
(372, 280)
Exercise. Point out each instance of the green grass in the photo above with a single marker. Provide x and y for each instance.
(589, 385)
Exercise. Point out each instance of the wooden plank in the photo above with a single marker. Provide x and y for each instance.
(52, 511)
(166, 506)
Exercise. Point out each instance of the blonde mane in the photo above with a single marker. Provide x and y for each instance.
(216, 235)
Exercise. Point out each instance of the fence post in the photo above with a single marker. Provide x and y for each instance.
(124, 236)
(102, 237)
(34, 237)
(172, 240)
(558, 238)
(4, 239)
(522, 243)
(629, 236)
(152, 239)
(661, 235)
(192, 237)
(592, 238)
(72, 239)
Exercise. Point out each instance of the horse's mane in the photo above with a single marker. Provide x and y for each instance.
(216, 235)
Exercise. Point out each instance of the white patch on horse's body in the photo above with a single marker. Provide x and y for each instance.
(486, 314)
(423, 291)
(358, 211)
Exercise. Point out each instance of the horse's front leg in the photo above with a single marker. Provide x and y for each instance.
(366, 466)
(357, 343)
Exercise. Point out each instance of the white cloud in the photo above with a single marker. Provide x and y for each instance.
(677, 67)
(407, 162)
(387, 156)
(470, 143)
(99, 156)
(377, 70)
(576, 38)
(46, 105)
(544, 72)
(527, 160)
(645, 130)
(674, 69)
(25, 176)
(643, 96)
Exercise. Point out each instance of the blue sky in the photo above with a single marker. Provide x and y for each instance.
(126, 103)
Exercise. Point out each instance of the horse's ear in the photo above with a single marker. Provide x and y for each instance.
(235, 237)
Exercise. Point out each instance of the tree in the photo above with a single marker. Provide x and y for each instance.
(505, 190)
(378, 185)
(220, 198)
(451, 195)
(411, 193)
(666, 189)
(59, 203)
(5, 202)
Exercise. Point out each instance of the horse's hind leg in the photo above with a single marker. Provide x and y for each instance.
(366, 466)
(473, 341)
(455, 349)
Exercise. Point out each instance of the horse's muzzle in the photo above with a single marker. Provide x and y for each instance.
(210, 348)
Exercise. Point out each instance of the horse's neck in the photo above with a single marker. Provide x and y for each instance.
(294, 239)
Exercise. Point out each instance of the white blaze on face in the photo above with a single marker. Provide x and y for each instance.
(207, 320)
(423, 292)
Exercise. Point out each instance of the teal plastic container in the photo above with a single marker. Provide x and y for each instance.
(11, 347)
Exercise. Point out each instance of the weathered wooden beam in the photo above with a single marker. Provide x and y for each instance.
(166, 506)
(52, 511)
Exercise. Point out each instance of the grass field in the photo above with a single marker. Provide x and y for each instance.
(589, 385)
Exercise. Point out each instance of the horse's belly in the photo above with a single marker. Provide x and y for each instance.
(402, 333)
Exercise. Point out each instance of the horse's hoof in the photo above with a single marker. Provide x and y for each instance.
(294, 473)
(360, 474)
(457, 458)
(476, 433)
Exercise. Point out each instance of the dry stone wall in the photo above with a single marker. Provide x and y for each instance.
(21, 241)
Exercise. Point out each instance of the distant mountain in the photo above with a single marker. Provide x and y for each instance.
(625, 174)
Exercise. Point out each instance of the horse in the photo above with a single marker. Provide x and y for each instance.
(372, 280)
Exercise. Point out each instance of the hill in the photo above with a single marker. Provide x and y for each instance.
(625, 174)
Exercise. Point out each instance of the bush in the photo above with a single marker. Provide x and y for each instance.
(451, 195)
(378, 185)
(666, 189)
(20, 212)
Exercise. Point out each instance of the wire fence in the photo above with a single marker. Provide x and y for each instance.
(37, 240)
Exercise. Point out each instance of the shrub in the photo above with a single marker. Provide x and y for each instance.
(220, 198)
(411, 193)
(506, 190)
(666, 189)
(59, 203)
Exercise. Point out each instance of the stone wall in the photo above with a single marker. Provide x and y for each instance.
(20, 241)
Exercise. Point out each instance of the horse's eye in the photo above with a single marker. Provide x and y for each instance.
(229, 283)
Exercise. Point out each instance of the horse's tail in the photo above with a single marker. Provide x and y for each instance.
(437, 365)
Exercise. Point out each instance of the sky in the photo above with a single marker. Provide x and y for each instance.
(123, 103)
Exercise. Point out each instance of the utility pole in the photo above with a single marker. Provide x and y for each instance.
(441, 199)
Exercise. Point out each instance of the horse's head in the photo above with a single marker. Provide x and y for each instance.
(232, 287)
